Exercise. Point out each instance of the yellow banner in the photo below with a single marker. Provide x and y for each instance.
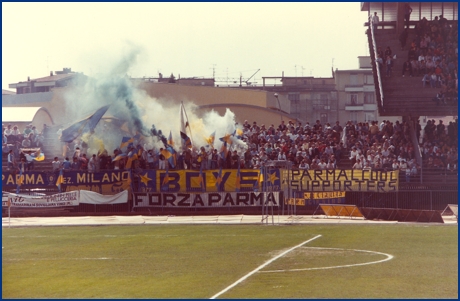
(323, 195)
(209, 180)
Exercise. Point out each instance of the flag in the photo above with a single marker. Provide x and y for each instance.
(238, 179)
(119, 157)
(20, 181)
(219, 180)
(238, 133)
(183, 119)
(227, 138)
(164, 185)
(186, 141)
(210, 139)
(261, 179)
(140, 150)
(170, 139)
(39, 156)
(126, 141)
(201, 179)
(170, 155)
(259, 182)
(223, 151)
(132, 156)
(60, 180)
(83, 126)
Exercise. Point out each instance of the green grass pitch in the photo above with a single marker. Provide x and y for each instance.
(199, 261)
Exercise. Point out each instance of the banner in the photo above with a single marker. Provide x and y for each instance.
(55, 200)
(90, 197)
(214, 180)
(316, 198)
(32, 179)
(109, 182)
(342, 180)
(203, 200)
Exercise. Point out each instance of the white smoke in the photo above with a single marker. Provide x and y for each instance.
(141, 111)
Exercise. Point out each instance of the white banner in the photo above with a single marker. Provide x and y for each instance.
(206, 199)
(30, 201)
(91, 197)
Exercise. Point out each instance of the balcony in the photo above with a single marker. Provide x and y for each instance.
(352, 106)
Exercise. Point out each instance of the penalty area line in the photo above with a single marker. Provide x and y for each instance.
(261, 267)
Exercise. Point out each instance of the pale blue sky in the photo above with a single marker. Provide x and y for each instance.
(189, 39)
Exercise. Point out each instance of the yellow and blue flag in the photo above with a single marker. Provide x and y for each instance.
(132, 156)
(238, 133)
(39, 156)
(126, 141)
(223, 151)
(186, 140)
(164, 184)
(119, 157)
(210, 139)
(227, 139)
(170, 139)
(83, 126)
(60, 180)
(170, 155)
(219, 180)
(20, 181)
(201, 179)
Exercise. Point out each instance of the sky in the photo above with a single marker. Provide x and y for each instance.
(222, 39)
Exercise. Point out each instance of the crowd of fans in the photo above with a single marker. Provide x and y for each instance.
(433, 55)
(364, 145)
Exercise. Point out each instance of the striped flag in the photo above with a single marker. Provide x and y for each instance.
(170, 155)
(126, 141)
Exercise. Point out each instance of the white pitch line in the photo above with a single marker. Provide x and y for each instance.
(261, 267)
(389, 257)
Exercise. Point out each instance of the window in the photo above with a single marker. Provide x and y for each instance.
(321, 104)
(368, 79)
(353, 100)
(369, 98)
(353, 79)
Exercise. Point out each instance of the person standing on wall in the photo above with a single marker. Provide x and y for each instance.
(375, 21)
(407, 12)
